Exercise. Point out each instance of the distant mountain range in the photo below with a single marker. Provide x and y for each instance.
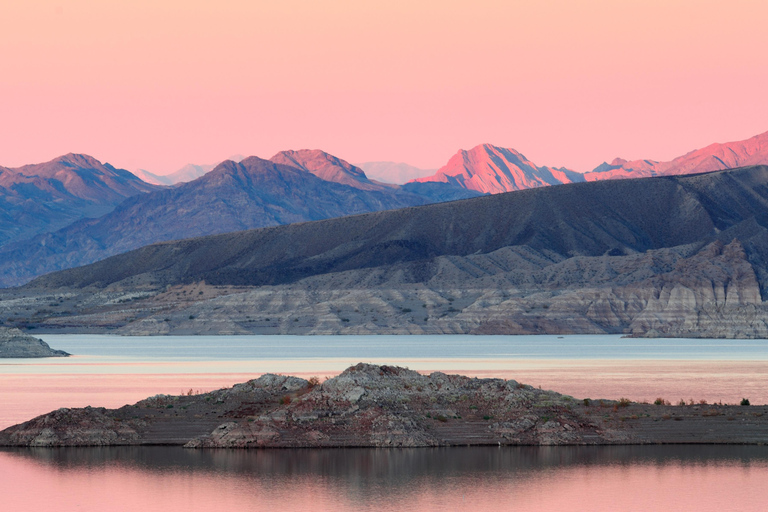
(491, 169)
(74, 210)
(715, 157)
(393, 172)
(295, 186)
(662, 256)
(187, 173)
(45, 197)
(613, 217)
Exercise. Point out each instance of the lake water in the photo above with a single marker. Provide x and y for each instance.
(111, 371)
(541, 479)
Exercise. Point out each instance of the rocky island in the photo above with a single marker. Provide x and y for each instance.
(388, 406)
(16, 344)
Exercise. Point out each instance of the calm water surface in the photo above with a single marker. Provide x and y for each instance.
(522, 479)
(111, 371)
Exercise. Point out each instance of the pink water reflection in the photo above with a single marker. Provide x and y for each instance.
(384, 480)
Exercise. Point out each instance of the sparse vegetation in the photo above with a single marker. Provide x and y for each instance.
(744, 401)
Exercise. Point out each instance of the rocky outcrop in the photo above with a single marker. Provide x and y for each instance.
(159, 420)
(387, 406)
(16, 344)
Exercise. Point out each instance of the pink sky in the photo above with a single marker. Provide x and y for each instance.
(156, 84)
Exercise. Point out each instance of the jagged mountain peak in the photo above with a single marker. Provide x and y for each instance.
(493, 169)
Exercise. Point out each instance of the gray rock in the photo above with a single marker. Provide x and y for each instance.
(16, 344)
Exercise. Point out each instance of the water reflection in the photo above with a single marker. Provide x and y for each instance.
(523, 478)
(386, 464)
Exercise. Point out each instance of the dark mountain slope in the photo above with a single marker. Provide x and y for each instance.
(45, 197)
(585, 219)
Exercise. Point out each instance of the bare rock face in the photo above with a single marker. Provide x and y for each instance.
(16, 344)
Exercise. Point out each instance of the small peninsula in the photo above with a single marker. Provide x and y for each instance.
(387, 406)
(16, 344)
